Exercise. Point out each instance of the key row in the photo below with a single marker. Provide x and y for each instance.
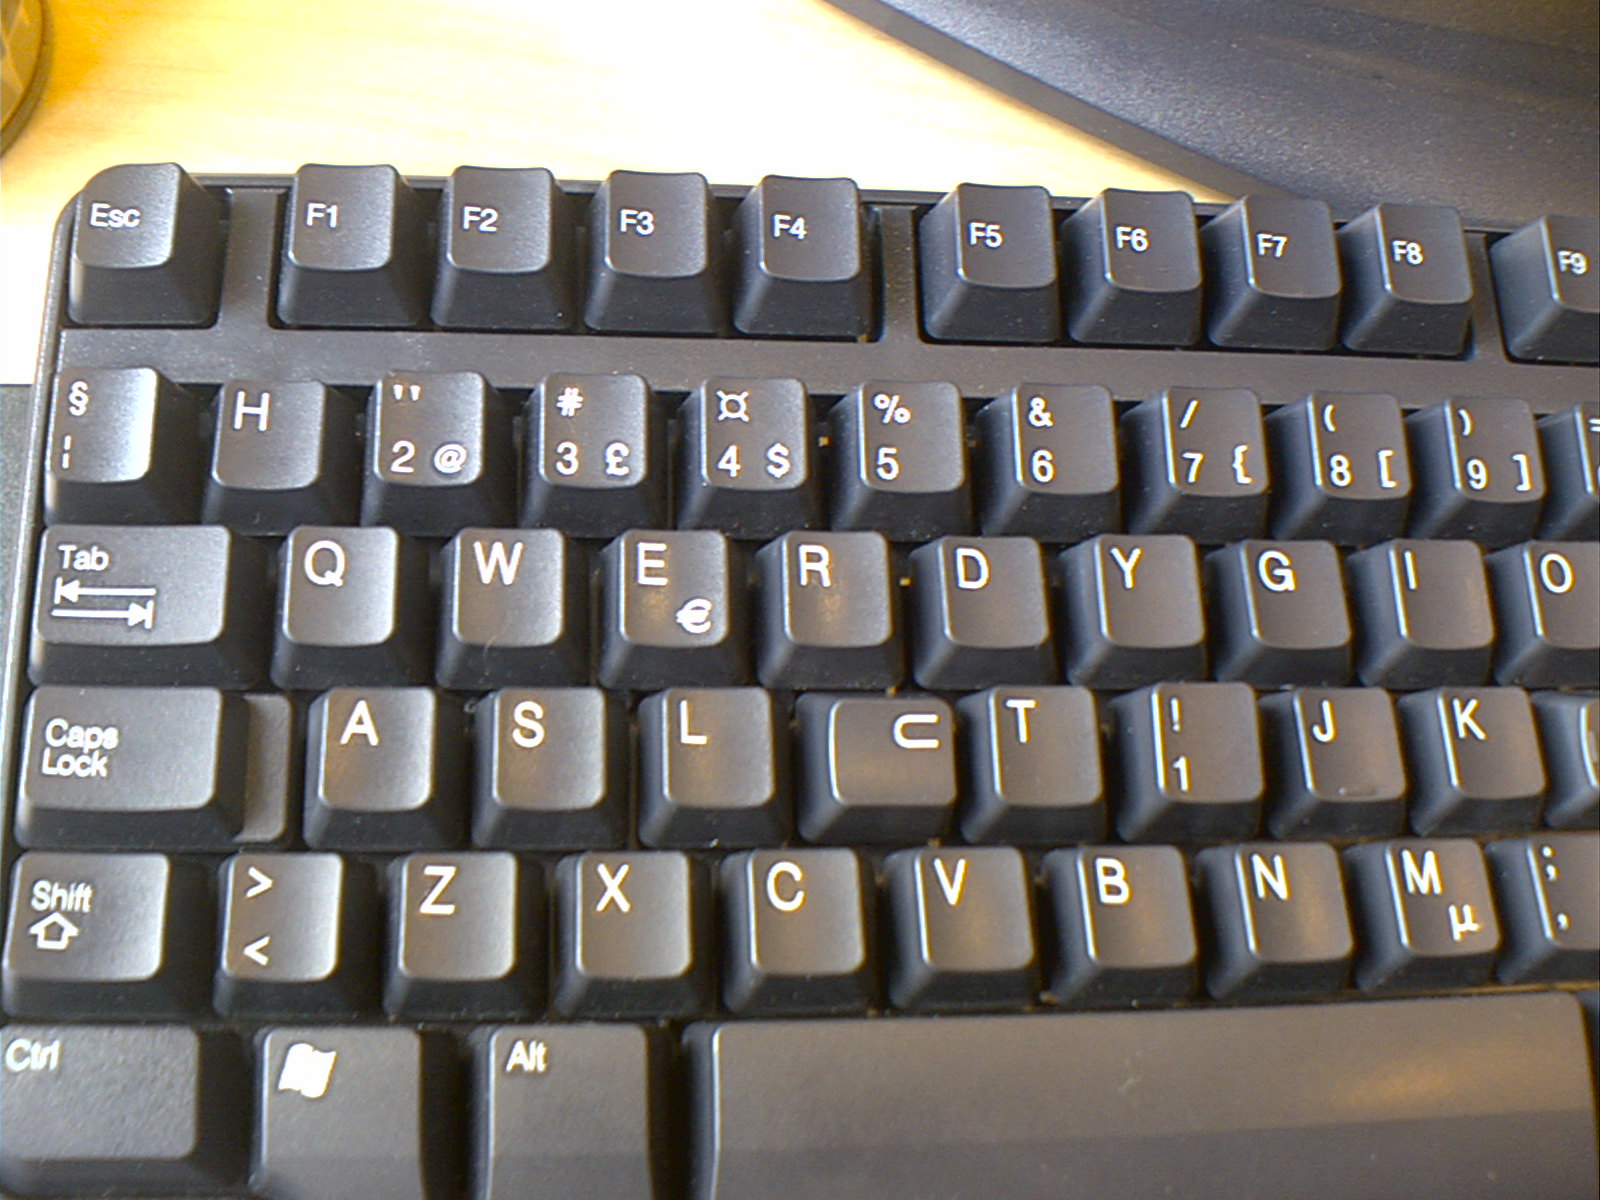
(441, 451)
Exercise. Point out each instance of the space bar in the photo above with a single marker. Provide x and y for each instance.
(1435, 1097)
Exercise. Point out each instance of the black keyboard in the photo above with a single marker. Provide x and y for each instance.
(529, 689)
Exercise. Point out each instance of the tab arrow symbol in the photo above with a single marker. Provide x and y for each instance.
(256, 951)
(261, 882)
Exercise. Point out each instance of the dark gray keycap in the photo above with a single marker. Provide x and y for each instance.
(712, 771)
(795, 931)
(988, 262)
(439, 453)
(1124, 925)
(1131, 611)
(804, 267)
(505, 251)
(1033, 771)
(1191, 762)
(465, 937)
(875, 768)
(830, 612)
(299, 934)
(385, 770)
(1475, 760)
(1421, 612)
(1278, 613)
(961, 929)
(365, 1114)
(900, 461)
(1272, 271)
(1048, 463)
(980, 613)
(1142, 1093)
(284, 454)
(355, 249)
(111, 936)
(146, 249)
(1407, 286)
(746, 466)
(95, 1110)
(551, 769)
(1198, 464)
(1479, 471)
(672, 610)
(1131, 265)
(1569, 728)
(1425, 914)
(1570, 441)
(1549, 289)
(1336, 770)
(596, 461)
(1549, 892)
(652, 265)
(1342, 468)
(122, 447)
(632, 935)
(1547, 597)
(353, 606)
(1279, 923)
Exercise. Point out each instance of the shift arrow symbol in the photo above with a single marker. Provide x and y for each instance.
(256, 951)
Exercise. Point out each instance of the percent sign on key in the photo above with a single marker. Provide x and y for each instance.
(893, 408)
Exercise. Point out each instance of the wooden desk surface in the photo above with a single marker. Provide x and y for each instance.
(734, 89)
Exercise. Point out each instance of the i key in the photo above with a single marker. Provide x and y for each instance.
(1408, 288)
(1273, 272)
(1421, 613)
(804, 268)
(672, 611)
(900, 461)
(1425, 913)
(1199, 463)
(1343, 472)
(652, 256)
(1132, 267)
(989, 266)
(1048, 466)
(597, 463)
(1479, 471)
(746, 467)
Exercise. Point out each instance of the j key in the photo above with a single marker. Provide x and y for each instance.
(989, 266)
(1124, 925)
(94, 1110)
(504, 251)
(466, 937)
(830, 612)
(1278, 613)
(900, 461)
(148, 604)
(1049, 463)
(299, 935)
(1132, 267)
(106, 935)
(1425, 914)
(796, 931)
(1343, 472)
(804, 268)
(146, 249)
(1479, 472)
(1547, 596)
(1338, 771)
(1549, 892)
(284, 454)
(1033, 766)
(440, 454)
(353, 606)
(1191, 762)
(1571, 444)
(1199, 463)
(360, 1113)
(1131, 609)
(746, 467)
(1278, 919)
(513, 607)
(1407, 286)
(672, 611)
(384, 770)
(1475, 761)
(652, 257)
(875, 768)
(123, 447)
(1569, 728)
(354, 249)
(632, 935)
(1273, 271)
(551, 769)
(980, 612)
(709, 769)
(1549, 289)
(597, 464)
(1421, 613)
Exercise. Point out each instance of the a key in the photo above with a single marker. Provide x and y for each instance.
(1273, 272)
(1407, 286)
(355, 249)
(1131, 611)
(1278, 613)
(980, 613)
(1570, 441)
(672, 610)
(746, 466)
(1343, 471)
(1547, 596)
(1199, 463)
(1421, 612)
(652, 256)
(1033, 770)
(146, 249)
(805, 269)
(900, 461)
(1048, 463)
(1479, 471)
(1475, 760)
(1549, 892)
(1337, 766)
(596, 461)
(1131, 264)
(1569, 729)
(988, 265)
(1545, 276)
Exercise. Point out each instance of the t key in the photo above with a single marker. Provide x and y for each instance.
(1200, 464)
(652, 256)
